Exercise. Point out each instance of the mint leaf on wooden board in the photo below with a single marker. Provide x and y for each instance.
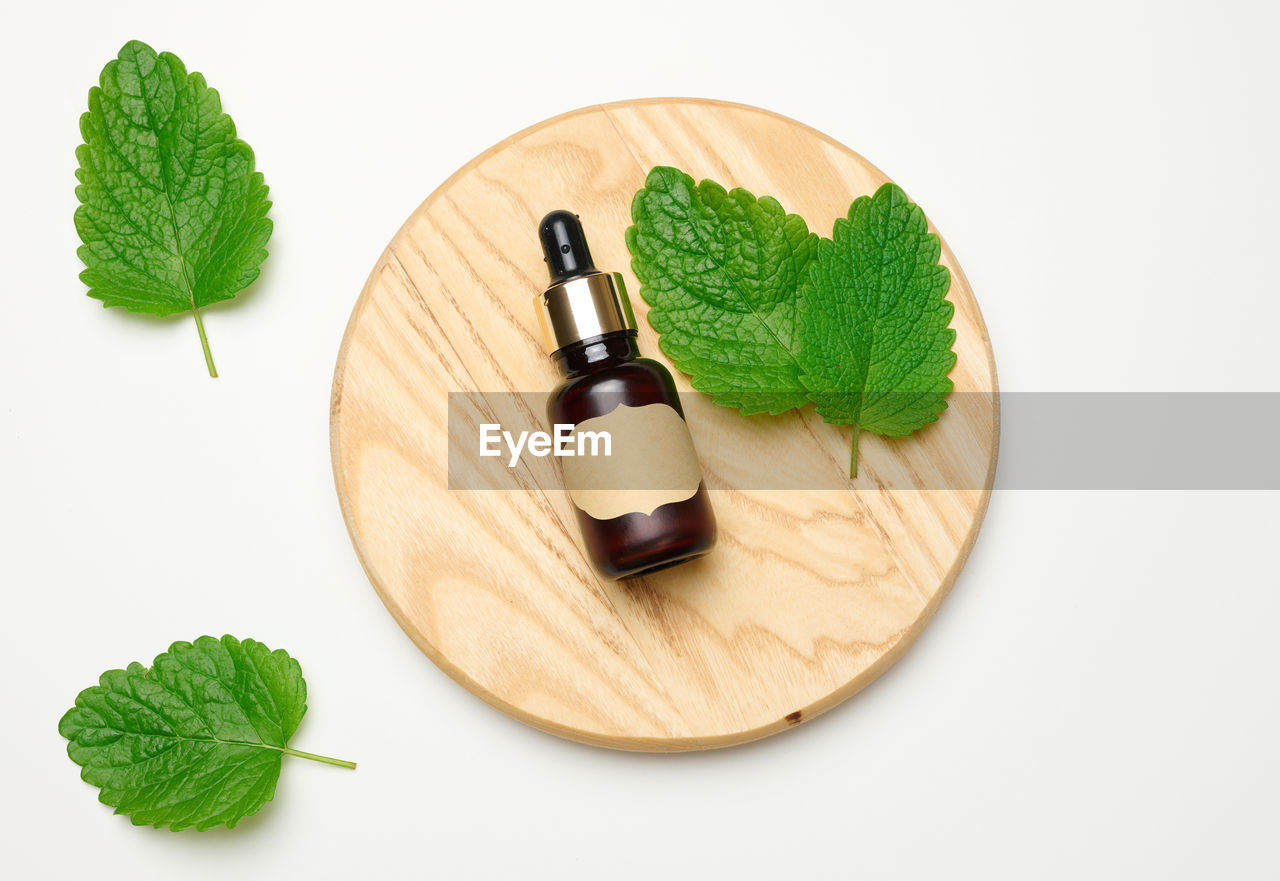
(197, 739)
(765, 316)
(720, 271)
(172, 214)
(873, 329)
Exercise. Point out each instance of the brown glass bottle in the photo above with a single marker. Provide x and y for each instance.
(591, 338)
(602, 374)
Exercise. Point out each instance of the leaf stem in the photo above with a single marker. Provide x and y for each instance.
(204, 343)
(853, 454)
(342, 763)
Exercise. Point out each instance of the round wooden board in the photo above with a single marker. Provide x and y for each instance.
(810, 593)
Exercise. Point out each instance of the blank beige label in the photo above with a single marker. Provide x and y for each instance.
(651, 463)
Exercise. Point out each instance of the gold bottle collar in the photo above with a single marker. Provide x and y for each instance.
(583, 307)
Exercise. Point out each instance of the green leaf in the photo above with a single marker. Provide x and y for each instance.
(873, 329)
(764, 316)
(720, 271)
(197, 739)
(172, 214)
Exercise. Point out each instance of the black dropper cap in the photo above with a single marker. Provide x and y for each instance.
(564, 246)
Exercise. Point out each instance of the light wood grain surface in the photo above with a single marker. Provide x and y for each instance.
(810, 594)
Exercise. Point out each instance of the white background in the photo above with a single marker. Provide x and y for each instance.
(1098, 697)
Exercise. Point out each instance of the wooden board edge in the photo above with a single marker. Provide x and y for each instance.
(648, 744)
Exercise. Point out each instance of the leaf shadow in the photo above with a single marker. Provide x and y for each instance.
(248, 829)
(250, 293)
(246, 295)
